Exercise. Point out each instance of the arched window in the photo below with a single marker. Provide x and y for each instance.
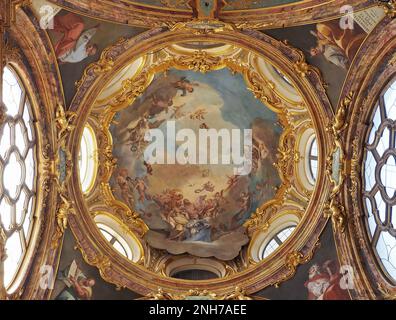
(17, 174)
(277, 241)
(117, 234)
(312, 156)
(266, 241)
(286, 79)
(116, 240)
(379, 192)
(88, 161)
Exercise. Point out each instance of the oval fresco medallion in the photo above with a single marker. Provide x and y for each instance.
(197, 206)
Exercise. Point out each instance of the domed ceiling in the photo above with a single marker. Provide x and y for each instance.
(199, 145)
(227, 4)
(188, 137)
(259, 14)
(196, 208)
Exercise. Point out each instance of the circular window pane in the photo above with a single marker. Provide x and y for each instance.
(380, 182)
(276, 241)
(17, 152)
(116, 240)
(88, 159)
(313, 159)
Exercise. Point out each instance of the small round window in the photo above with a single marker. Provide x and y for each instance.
(116, 240)
(312, 156)
(17, 175)
(88, 159)
(379, 192)
(277, 241)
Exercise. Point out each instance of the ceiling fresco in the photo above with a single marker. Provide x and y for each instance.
(195, 138)
(194, 208)
(320, 279)
(180, 207)
(255, 4)
(78, 41)
(329, 47)
(227, 5)
(244, 14)
(76, 280)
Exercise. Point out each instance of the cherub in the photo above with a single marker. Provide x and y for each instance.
(185, 85)
(65, 209)
(208, 186)
(141, 188)
(63, 122)
(125, 185)
(178, 113)
(159, 105)
(199, 114)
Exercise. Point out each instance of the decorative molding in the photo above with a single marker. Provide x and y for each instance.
(160, 294)
(64, 124)
(295, 259)
(65, 208)
(341, 118)
(255, 276)
(336, 160)
(336, 212)
(142, 15)
(392, 62)
(8, 12)
(199, 61)
(389, 7)
(11, 53)
(367, 77)
(104, 64)
(63, 171)
(301, 66)
(386, 293)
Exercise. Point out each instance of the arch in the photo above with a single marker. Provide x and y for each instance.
(18, 172)
(257, 276)
(368, 77)
(35, 64)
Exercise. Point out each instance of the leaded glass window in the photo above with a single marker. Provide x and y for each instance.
(379, 188)
(277, 241)
(17, 173)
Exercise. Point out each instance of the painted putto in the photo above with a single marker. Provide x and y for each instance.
(196, 207)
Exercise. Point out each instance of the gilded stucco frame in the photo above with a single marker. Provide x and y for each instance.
(143, 15)
(374, 67)
(28, 52)
(292, 116)
(96, 251)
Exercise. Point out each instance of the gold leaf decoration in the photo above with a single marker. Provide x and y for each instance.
(199, 61)
(336, 212)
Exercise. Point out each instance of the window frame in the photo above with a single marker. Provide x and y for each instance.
(115, 237)
(278, 241)
(122, 233)
(312, 177)
(28, 100)
(379, 106)
(92, 154)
